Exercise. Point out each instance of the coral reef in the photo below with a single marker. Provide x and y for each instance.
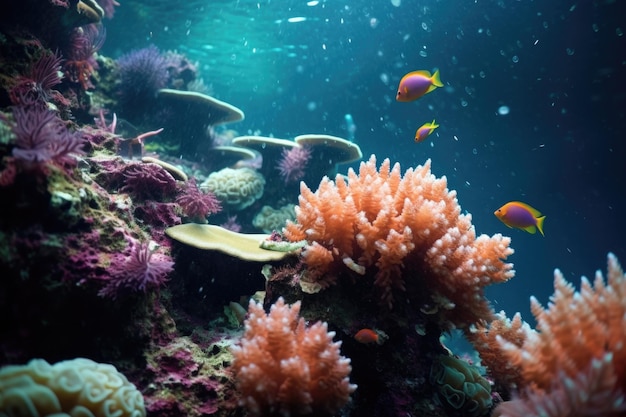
(283, 366)
(402, 231)
(575, 359)
(235, 188)
(73, 387)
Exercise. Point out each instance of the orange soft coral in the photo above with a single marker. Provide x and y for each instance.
(283, 367)
(388, 226)
(578, 346)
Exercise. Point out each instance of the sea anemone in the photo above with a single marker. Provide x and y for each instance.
(143, 269)
(35, 86)
(42, 137)
(293, 162)
(195, 204)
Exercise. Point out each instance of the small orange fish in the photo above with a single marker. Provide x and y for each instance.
(367, 336)
(521, 216)
(425, 130)
(417, 83)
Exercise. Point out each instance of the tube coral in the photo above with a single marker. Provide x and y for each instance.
(392, 227)
(283, 366)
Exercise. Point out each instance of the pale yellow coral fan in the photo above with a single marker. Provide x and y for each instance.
(284, 367)
(383, 224)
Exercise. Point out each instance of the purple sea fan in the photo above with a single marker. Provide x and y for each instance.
(42, 137)
(195, 204)
(142, 73)
(292, 164)
(143, 269)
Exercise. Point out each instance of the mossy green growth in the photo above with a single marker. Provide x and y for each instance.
(460, 387)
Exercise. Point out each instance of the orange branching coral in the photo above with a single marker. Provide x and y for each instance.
(389, 226)
(593, 392)
(576, 358)
(486, 339)
(284, 367)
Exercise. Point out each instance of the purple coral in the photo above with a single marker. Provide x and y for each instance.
(293, 162)
(142, 73)
(42, 137)
(35, 86)
(143, 269)
(196, 204)
(148, 181)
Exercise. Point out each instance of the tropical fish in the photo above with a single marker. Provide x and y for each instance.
(521, 216)
(425, 130)
(417, 83)
(367, 336)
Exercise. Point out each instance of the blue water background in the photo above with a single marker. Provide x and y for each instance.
(559, 67)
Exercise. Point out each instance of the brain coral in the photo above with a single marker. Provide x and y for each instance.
(78, 387)
(270, 219)
(235, 188)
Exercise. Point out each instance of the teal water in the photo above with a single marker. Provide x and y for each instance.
(532, 107)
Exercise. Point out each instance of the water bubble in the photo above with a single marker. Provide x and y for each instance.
(373, 22)
(311, 106)
(423, 54)
(595, 27)
(384, 78)
(619, 32)
(570, 51)
(515, 59)
(482, 74)
(475, 151)
(464, 103)
(396, 3)
(503, 110)
(424, 26)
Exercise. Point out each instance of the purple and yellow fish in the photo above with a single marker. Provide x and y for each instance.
(521, 216)
(417, 83)
(425, 130)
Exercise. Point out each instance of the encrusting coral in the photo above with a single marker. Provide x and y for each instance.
(574, 363)
(402, 231)
(284, 367)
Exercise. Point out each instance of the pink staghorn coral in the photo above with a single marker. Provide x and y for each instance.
(399, 230)
(293, 162)
(283, 366)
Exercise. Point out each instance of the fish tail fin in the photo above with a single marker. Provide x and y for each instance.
(540, 224)
(436, 80)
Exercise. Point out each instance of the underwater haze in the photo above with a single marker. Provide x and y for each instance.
(532, 109)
